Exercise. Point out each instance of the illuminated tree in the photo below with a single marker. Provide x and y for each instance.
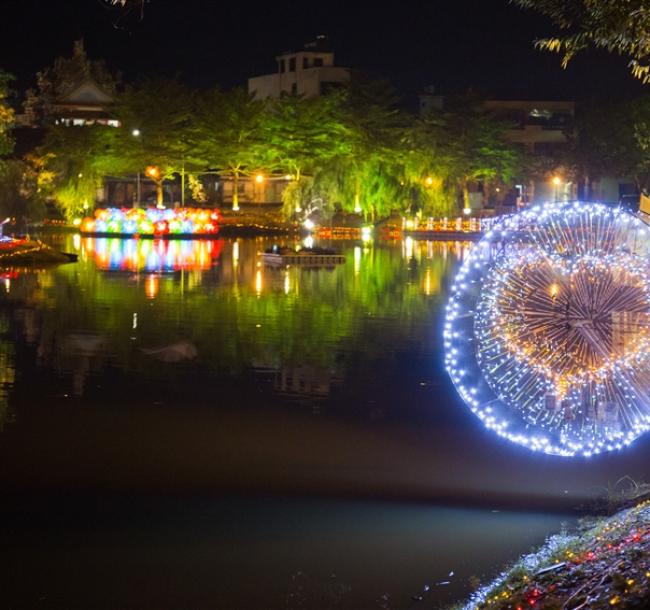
(230, 125)
(302, 136)
(623, 27)
(6, 117)
(158, 130)
(76, 162)
(452, 147)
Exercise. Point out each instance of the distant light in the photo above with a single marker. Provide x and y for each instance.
(366, 233)
(136, 133)
(410, 224)
(288, 177)
(308, 242)
(152, 171)
(429, 181)
(553, 290)
(308, 224)
(357, 209)
(557, 180)
(467, 211)
(76, 222)
(259, 178)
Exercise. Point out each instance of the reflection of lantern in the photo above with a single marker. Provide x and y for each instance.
(151, 287)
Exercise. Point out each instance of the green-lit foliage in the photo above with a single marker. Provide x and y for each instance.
(622, 27)
(229, 126)
(77, 161)
(19, 197)
(6, 118)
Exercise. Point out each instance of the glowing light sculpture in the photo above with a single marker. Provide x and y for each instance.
(547, 331)
(152, 222)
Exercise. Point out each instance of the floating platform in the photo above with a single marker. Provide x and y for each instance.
(304, 259)
(444, 235)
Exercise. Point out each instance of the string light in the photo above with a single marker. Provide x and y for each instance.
(547, 333)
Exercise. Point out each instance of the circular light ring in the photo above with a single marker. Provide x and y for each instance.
(547, 333)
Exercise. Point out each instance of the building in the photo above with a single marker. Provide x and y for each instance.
(74, 91)
(310, 72)
(86, 104)
(542, 129)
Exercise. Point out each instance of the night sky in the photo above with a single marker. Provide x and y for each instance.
(485, 45)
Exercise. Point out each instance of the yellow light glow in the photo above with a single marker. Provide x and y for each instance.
(429, 181)
(554, 290)
(259, 178)
(557, 180)
(152, 171)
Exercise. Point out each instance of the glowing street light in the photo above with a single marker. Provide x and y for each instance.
(557, 181)
(259, 178)
(153, 172)
(136, 133)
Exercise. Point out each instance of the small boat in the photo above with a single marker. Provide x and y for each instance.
(307, 257)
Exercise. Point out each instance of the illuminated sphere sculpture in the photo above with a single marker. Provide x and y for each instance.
(547, 333)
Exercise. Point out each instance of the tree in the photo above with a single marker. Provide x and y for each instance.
(613, 139)
(622, 26)
(368, 170)
(72, 164)
(6, 117)
(158, 131)
(231, 141)
(303, 135)
(462, 143)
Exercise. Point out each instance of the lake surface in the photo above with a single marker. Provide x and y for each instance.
(182, 426)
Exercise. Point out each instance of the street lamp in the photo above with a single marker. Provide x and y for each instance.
(557, 181)
(136, 133)
(153, 172)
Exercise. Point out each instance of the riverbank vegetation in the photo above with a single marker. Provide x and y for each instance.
(605, 565)
(352, 150)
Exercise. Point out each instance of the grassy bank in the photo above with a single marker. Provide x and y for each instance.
(606, 564)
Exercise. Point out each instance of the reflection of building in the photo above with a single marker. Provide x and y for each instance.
(303, 381)
(309, 72)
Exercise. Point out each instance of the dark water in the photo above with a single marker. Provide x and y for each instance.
(183, 427)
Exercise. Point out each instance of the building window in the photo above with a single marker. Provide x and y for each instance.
(318, 62)
(292, 64)
(282, 66)
(294, 88)
(305, 63)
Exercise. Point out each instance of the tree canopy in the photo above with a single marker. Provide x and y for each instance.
(622, 27)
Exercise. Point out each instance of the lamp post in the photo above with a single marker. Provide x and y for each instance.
(557, 181)
(136, 134)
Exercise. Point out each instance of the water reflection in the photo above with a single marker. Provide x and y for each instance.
(299, 332)
(150, 255)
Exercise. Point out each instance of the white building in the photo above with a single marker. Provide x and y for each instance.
(310, 72)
